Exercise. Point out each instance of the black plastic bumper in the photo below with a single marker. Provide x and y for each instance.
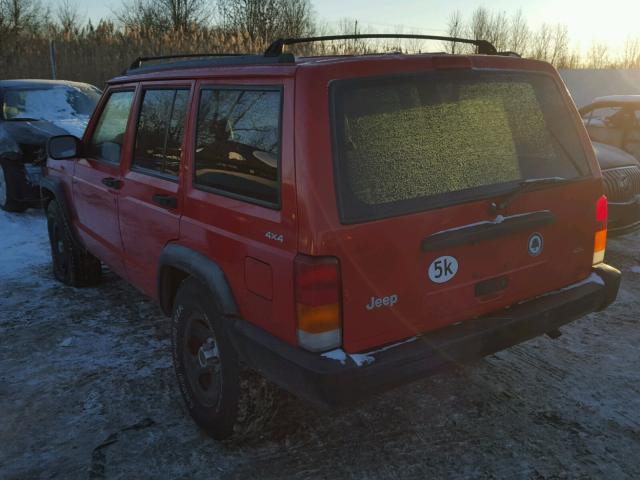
(341, 379)
(624, 217)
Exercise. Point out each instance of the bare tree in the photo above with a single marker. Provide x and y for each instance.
(598, 56)
(631, 53)
(542, 43)
(560, 45)
(480, 25)
(69, 16)
(20, 16)
(498, 33)
(519, 33)
(162, 15)
(266, 20)
(455, 28)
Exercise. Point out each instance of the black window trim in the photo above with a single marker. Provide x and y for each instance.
(430, 202)
(149, 171)
(226, 193)
(109, 93)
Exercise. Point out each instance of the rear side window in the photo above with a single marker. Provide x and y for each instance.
(406, 144)
(160, 130)
(108, 137)
(237, 149)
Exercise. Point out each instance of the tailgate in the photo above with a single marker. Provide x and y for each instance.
(419, 160)
(394, 289)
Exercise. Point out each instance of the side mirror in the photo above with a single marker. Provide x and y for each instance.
(63, 147)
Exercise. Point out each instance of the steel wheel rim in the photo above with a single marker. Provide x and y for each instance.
(201, 359)
(3, 188)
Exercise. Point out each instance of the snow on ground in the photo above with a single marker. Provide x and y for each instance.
(87, 390)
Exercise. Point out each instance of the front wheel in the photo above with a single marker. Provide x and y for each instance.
(222, 397)
(8, 177)
(72, 264)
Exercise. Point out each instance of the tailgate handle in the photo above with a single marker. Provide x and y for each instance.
(489, 230)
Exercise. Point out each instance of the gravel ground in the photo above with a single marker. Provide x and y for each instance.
(87, 391)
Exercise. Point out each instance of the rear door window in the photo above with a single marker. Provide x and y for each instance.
(108, 136)
(406, 144)
(237, 151)
(158, 146)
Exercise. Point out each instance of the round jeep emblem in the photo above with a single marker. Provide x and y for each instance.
(536, 244)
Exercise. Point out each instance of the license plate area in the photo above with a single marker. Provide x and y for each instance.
(491, 287)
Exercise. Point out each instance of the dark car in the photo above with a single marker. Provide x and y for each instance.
(621, 175)
(31, 111)
(613, 123)
(339, 225)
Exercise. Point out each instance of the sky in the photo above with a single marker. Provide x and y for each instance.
(610, 22)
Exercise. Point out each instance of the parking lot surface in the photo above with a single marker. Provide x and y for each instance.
(87, 390)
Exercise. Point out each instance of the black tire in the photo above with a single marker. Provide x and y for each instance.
(72, 264)
(8, 177)
(224, 398)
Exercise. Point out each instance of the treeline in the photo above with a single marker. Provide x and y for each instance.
(549, 42)
(93, 53)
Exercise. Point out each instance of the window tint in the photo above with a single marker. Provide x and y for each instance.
(603, 117)
(108, 137)
(160, 128)
(238, 143)
(405, 144)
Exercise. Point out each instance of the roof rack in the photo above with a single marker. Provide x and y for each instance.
(203, 60)
(277, 48)
(137, 63)
(274, 54)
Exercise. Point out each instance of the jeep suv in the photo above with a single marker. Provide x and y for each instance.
(340, 224)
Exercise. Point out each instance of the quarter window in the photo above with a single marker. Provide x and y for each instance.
(108, 137)
(158, 145)
(238, 143)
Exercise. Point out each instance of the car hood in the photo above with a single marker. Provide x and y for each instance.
(26, 140)
(612, 157)
(32, 132)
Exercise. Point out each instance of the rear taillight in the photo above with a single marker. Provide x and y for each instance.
(600, 243)
(318, 307)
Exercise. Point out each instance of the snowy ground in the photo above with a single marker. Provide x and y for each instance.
(87, 391)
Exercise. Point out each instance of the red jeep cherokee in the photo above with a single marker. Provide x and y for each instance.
(341, 225)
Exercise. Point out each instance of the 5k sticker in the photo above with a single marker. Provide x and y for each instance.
(443, 269)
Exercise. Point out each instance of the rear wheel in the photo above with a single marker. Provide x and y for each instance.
(223, 398)
(72, 264)
(7, 190)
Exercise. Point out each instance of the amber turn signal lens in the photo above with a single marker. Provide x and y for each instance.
(318, 319)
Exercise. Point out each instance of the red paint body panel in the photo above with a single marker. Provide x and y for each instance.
(377, 259)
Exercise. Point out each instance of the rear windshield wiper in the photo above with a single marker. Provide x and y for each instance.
(526, 186)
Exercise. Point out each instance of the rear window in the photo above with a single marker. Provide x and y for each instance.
(406, 144)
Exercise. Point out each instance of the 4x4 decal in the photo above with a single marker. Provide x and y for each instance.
(275, 237)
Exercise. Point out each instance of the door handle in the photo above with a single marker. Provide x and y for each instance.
(112, 183)
(165, 201)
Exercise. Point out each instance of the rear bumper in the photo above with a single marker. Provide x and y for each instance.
(338, 378)
(624, 217)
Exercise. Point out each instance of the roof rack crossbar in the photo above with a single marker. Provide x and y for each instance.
(137, 63)
(277, 47)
